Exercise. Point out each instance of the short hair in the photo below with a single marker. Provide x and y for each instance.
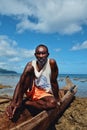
(42, 45)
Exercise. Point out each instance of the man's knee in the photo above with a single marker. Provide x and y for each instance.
(53, 102)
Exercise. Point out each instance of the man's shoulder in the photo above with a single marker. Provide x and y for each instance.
(29, 63)
(53, 64)
(52, 61)
(29, 66)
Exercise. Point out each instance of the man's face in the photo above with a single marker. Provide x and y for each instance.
(41, 55)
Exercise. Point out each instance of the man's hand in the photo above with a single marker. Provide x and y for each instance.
(11, 109)
(59, 101)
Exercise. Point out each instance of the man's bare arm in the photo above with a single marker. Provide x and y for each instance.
(54, 76)
(24, 83)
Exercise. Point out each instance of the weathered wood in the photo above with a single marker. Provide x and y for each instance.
(69, 83)
(30, 120)
(5, 97)
(45, 118)
(4, 101)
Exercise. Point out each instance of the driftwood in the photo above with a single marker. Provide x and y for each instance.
(32, 119)
(5, 99)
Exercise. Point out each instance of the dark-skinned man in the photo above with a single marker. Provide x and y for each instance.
(39, 82)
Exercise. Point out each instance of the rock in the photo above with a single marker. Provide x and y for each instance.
(4, 86)
(75, 117)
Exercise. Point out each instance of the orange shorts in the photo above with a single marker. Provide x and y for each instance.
(37, 93)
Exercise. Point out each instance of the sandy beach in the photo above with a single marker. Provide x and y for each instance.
(74, 118)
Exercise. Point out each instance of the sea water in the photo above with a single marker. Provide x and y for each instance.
(80, 80)
(12, 79)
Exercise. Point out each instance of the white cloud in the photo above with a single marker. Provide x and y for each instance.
(57, 49)
(7, 47)
(80, 46)
(2, 63)
(47, 16)
(14, 7)
(10, 53)
(15, 59)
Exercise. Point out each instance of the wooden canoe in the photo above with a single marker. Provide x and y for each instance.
(32, 119)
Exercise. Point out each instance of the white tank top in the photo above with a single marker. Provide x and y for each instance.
(42, 79)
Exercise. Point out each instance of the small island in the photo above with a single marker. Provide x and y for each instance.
(5, 71)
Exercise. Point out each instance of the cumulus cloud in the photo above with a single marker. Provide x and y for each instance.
(57, 49)
(7, 47)
(47, 16)
(80, 46)
(11, 53)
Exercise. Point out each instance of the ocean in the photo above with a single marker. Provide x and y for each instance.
(78, 79)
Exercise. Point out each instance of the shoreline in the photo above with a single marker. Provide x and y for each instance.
(5, 86)
(10, 87)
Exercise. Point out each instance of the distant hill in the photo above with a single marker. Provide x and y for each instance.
(5, 71)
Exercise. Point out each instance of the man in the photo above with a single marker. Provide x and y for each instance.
(38, 82)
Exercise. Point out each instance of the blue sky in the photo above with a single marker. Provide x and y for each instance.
(59, 24)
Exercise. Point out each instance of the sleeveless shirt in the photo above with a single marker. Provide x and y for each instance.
(42, 77)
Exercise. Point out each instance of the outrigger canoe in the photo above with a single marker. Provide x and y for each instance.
(31, 119)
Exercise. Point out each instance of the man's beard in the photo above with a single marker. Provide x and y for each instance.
(42, 62)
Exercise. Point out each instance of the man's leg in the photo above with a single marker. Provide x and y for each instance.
(47, 102)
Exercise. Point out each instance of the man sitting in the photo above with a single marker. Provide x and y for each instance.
(38, 82)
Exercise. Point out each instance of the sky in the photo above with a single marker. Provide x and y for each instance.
(59, 24)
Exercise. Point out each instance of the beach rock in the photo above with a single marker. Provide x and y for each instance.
(4, 86)
(75, 117)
